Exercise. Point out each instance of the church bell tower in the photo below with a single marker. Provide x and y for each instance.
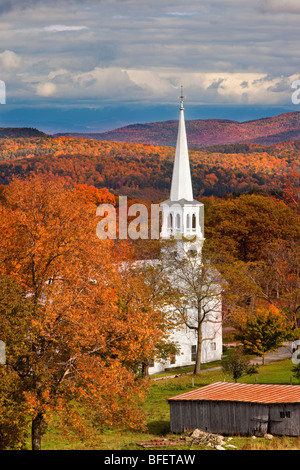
(182, 215)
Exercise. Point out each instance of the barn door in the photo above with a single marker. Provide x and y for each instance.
(259, 420)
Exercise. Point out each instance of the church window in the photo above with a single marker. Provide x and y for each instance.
(194, 221)
(193, 352)
(213, 346)
(170, 220)
(178, 221)
(172, 359)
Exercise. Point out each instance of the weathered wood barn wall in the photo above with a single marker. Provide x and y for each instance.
(233, 408)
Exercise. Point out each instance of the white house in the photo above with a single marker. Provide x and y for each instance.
(183, 220)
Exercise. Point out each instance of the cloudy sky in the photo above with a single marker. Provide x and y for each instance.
(95, 65)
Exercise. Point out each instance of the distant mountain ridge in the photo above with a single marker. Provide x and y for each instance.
(17, 132)
(206, 132)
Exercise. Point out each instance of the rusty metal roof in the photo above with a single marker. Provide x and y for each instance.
(250, 393)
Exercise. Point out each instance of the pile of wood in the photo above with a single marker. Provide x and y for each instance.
(197, 437)
(204, 438)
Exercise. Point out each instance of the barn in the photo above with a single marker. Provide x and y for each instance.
(238, 408)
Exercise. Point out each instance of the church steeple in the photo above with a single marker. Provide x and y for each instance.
(181, 186)
(182, 215)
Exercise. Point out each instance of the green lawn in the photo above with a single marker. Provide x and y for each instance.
(157, 410)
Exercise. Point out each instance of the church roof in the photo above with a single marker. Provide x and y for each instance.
(181, 202)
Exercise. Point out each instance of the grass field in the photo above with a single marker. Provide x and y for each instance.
(158, 421)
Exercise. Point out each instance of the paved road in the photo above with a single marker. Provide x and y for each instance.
(285, 352)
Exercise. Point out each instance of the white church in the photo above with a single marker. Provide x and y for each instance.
(183, 221)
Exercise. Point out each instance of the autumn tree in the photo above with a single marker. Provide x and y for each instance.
(262, 331)
(271, 281)
(283, 260)
(94, 195)
(82, 334)
(244, 226)
(236, 364)
(255, 244)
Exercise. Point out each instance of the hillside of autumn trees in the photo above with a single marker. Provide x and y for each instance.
(204, 132)
(68, 338)
(78, 330)
(144, 171)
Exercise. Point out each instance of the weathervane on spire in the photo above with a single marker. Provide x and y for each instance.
(181, 98)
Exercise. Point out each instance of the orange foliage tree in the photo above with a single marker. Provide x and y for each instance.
(263, 331)
(244, 226)
(84, 325)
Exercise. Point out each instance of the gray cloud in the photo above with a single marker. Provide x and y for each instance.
(281, 6)
(215, 84)
(9, 5)
(140, 50)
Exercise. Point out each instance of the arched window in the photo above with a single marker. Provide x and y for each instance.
(178, 221)
(170, 220)
(194, 221)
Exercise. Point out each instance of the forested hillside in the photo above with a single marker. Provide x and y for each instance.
(204, 132)
(144, 171)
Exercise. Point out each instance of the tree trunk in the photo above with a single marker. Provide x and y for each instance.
(198, 352)
(145, 369)
(36, 432)
(199, 339)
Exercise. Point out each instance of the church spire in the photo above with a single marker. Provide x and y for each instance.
(182, 215)
(181, 186)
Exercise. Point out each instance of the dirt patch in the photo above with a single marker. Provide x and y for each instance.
(161, 442)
